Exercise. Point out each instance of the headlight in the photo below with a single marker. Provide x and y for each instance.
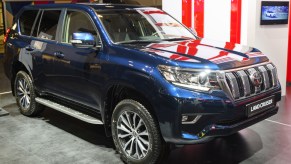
(203, 80)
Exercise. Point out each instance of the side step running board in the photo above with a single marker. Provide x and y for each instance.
(68, 111)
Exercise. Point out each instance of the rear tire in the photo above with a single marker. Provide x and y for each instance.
(25, 95)
(136, 134)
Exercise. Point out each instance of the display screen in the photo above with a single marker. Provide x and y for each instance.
(274, 12)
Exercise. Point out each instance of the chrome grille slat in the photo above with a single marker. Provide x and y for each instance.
(273, 73)
(234, 85)
(246, 83)
(265, 77)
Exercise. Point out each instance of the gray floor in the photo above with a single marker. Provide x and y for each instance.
(56, 138)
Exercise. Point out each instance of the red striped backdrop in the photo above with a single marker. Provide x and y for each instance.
(235, 21)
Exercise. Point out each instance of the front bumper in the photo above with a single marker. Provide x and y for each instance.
(219, 116)
(216, 130)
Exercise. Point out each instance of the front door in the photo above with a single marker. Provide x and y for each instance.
(77, 69)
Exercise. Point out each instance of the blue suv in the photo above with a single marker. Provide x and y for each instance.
(147, 78)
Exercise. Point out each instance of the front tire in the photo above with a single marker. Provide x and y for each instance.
(135, 133)
(25, 95)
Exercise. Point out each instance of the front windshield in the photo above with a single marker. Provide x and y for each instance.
(141, 24)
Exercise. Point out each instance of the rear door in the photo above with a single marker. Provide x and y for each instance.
(19, 42)
(43, 48)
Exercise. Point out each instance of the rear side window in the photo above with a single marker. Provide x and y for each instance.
(26, 21)
(48, 24)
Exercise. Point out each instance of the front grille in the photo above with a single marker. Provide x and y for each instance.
(239, 82)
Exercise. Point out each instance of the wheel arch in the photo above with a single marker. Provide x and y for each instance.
(16, 67)
(118, 92)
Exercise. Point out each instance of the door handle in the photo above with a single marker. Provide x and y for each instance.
(29, 48)
(59, 55)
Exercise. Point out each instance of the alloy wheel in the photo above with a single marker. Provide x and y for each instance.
(23, 93)
(133, 135)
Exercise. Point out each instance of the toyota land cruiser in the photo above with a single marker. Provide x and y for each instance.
(147, 78)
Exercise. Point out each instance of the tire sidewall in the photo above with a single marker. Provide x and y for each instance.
(135, 107)
(32, 106)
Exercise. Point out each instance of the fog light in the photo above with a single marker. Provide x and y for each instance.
(188, 119)
(184, 118)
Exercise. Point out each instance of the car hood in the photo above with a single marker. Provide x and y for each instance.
(204, 52)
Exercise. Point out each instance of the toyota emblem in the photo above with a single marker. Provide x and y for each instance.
(256, 79)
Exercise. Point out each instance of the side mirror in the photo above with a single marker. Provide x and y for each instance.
(83, 40)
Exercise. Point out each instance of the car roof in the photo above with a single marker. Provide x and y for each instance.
(112, 6)
(96, 6)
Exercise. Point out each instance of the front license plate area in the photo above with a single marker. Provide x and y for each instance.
(260, 106)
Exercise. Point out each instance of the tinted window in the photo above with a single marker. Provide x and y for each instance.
(77, 22)
(49, 23)
(26, 21)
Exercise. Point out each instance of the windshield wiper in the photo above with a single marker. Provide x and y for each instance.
(138, 41)
(176, 39)
(152, 41)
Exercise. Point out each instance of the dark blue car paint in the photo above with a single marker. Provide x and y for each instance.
(87, 75)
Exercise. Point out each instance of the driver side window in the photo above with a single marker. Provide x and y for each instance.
(76, 21)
